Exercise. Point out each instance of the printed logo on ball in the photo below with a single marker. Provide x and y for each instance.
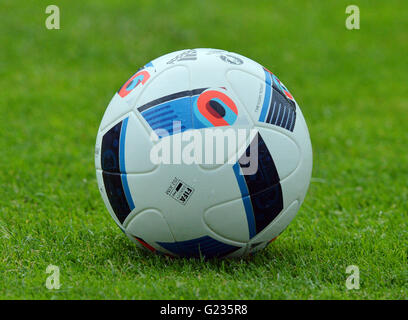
(186, 55)
(228, 58)
(179, 190)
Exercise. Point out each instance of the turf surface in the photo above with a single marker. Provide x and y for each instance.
(351, 85)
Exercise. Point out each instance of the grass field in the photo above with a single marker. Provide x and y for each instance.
(351, 85)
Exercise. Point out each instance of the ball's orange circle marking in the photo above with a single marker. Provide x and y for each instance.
(203, 104)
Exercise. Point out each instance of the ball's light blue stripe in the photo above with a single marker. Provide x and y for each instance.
(150, 64)
(127, 191)
(246, 200)
(267, 97)
(122, 166)
(122, 139)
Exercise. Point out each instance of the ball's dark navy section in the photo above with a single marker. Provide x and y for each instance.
(110, 149)
(205, 246)
(261, 192)
(170, 97)
(278, 107)
(112, 178)
(281, 112)
(116, 195)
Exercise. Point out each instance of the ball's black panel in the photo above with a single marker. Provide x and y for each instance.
(278, 107)
(281, 111)
(267, 205)
(278, 90)
(112, 177)
(110, 149)
(266, 175)
(264, 187)
(116, 195)
(205, 246)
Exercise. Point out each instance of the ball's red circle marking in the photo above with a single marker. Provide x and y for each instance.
(123, 92)
(207, 111)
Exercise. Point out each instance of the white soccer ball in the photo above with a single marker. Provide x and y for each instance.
(203, 152)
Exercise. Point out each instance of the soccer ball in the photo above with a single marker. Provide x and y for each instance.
(203, 153)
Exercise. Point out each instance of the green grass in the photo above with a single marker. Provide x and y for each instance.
(351, 85)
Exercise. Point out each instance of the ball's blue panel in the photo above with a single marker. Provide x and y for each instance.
(261, 192)
(182, 107)
(162, 112)
(204, 246)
